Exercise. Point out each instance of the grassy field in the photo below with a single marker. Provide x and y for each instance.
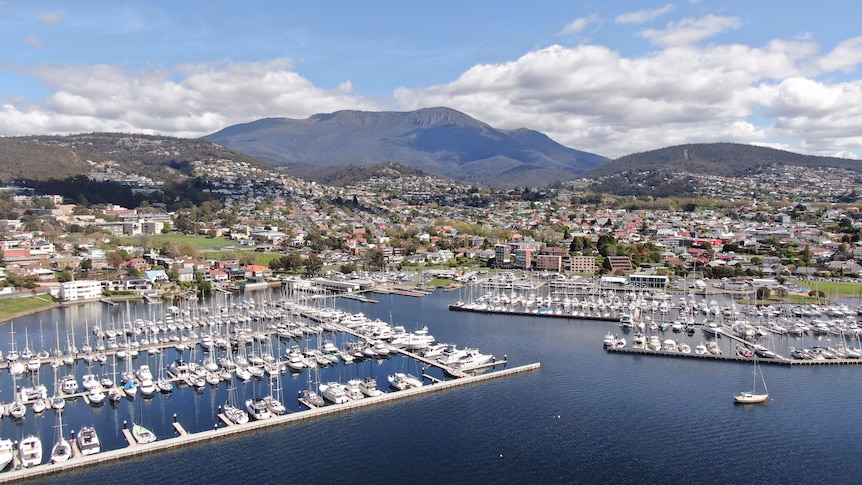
(13, 307)
(203, 243)
(833, 288)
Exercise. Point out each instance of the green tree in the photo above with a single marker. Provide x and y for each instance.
(313, 264)
(64, 276)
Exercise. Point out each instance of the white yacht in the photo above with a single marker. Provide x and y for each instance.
(369, 387)
(235, 414)
(30, 451)
(334, 392)
(274, 405)
(96, 395)
(88, 441)
(401, 381)
(147, 387)
(6, 453)
(69, 384)
(257, 408)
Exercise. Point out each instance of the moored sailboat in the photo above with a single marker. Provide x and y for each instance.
(754, 396)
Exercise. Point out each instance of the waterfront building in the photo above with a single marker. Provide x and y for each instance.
(80, 290)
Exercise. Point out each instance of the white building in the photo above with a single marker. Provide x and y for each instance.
(80, 290)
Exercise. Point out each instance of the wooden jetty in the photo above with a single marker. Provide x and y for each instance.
(183, 439)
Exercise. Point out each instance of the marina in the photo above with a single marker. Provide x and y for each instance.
(245, 344)
(229, 428)
(553, 403)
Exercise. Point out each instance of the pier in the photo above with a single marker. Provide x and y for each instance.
(735, 358)
(571, 316)
(184, 438)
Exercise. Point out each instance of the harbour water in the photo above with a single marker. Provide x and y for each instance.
(587, 416)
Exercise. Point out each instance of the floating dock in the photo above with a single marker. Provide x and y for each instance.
(601, 318)
(134, 449)
(735, 358)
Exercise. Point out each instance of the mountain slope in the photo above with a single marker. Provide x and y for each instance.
(671, 171)
(441, 141)
(724, 159)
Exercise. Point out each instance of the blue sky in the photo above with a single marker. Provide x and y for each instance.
(608, 77)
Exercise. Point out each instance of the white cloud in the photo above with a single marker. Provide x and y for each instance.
(592, 98)
(690, 31)
(579, 24)
(50, 18)
(846, 56)
(642, 16)
(34, 41)
(189, 100)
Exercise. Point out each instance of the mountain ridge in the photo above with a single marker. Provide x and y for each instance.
(440, 140)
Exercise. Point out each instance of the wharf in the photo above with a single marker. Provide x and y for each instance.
(362, 298)
(80, 461)
(461, 308)
(735, 358)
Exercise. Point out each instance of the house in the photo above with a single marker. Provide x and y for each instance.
(256, 272)
(156, 275)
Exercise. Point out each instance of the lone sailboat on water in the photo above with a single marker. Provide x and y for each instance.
(753, 396)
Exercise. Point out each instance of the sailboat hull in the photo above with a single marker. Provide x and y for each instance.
(749, 398)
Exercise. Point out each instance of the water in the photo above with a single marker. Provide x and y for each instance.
(587, 416)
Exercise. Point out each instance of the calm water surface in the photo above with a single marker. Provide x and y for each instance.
(586, 416)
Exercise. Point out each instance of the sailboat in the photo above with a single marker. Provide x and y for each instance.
(233, 412)
(62, 450)
(753, 396)
(164, 384)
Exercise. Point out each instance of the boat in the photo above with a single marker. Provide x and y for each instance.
(257, 408)
(273, 401)
(401, 381)
(30, 451)
(62, 449)
(626, 321)
(334, 392)
(96, 395)
(142, 435)
(7, 452)
(88, 441)
(232, 412)
(753, 396)
(308, 396)
(17, 409)
(609, 339)
(713, 348)
(147, 387)
(369, 387)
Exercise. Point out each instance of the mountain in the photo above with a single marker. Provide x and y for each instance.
(440, 141)
(125, 169)
(723, 159)
(666, 172)
(160, 158)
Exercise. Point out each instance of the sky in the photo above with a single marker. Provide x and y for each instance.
(609, 77)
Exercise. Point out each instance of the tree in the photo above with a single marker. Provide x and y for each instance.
(188, 248)
(313, 264)
(64, 276)
(375, 258)
(86, 265)
(115, 259)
